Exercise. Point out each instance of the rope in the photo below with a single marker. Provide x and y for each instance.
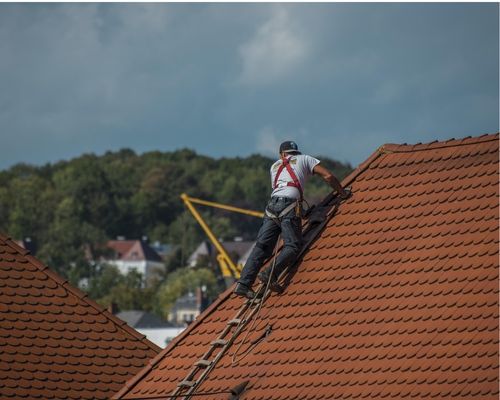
(234, 360)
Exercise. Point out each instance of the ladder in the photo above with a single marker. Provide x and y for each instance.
(202, 368)
(218, 347)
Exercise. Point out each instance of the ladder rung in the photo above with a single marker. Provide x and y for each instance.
(186, 384)
(219, 342)
(235, 321)
(253, 301)
(203, 363)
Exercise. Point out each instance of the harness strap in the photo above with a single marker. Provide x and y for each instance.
(282, 213)
(285, 163)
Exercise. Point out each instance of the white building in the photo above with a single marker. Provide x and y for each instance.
(136, 255)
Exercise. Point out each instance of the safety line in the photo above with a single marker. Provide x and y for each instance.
(234, 360)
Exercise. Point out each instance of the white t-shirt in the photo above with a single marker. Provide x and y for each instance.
(302, 166)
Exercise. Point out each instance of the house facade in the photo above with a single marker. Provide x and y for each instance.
(128, 255)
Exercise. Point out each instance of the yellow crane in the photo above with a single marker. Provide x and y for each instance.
(230, 270)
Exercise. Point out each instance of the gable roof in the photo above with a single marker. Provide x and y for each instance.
(397, 297)
(133, 250)
(55, 342)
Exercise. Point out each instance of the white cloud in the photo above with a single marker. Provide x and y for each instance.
(268, 141)
(277, 48)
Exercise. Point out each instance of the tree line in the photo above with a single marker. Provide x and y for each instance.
(71, 208)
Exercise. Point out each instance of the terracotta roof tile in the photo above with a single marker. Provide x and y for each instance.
(55, 341)
(397, 297)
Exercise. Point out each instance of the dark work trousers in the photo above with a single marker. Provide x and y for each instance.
(291, 232)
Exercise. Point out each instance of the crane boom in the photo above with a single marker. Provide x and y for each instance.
(224, 206)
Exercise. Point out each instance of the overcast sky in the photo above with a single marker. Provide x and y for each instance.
(235, 79)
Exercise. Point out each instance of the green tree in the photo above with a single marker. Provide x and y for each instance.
(129, 293)
(71, 208)
(180, 283)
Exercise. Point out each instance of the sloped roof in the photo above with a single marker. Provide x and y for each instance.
(396, 298)
(54, 341)
(133, 250)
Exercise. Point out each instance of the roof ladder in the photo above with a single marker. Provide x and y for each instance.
(318, 218)
(217, 349)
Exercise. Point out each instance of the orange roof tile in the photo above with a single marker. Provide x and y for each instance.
(55, 342)
(396, 298)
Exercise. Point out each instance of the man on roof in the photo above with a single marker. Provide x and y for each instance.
(282, 216)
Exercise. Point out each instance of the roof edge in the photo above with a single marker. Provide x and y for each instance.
(129, 385)
(77, 292)
(389, 148)
(468, 140)
(361, 168)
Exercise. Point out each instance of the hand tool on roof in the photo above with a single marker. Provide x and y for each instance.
(229, 269)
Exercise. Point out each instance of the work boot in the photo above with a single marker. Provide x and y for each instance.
(243, 291)
(263, 276)
(273, 285)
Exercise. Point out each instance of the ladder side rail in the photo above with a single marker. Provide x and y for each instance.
(241, 312)
(223, 351)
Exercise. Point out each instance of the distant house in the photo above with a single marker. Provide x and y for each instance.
(237, 249)
(163, 249)
(158, 331)
(244, 257)
(136, 255)
(188, 307)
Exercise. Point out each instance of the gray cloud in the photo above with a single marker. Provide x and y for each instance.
(232, 79)
(276, 50)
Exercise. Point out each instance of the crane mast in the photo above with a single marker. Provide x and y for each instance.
(229, 269)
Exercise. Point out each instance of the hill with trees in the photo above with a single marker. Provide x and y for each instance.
(71, 208)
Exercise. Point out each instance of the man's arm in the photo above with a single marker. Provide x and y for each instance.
(330, 179)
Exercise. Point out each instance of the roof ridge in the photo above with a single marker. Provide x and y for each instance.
(77, 292)
(436, 144)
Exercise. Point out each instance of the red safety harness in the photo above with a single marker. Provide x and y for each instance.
(286, 164)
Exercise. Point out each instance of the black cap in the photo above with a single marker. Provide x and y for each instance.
(289, 147)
